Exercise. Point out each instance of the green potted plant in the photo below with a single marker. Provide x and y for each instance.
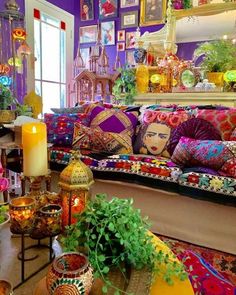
(4, 216)
(124, 88)
(218, 57)
(114, 235)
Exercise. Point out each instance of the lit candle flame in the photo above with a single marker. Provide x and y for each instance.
(34, 129)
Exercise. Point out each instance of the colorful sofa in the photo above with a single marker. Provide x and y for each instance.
(177, 163)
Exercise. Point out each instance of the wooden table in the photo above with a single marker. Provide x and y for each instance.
(158, 287)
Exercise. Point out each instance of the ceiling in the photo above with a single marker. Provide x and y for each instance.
(200, 28)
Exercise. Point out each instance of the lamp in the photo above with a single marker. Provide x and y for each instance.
(75, 182)
(22, 214)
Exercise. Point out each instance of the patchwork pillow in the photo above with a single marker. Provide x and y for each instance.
(111, 120)
(60, 128)
(215, 154)
(193, 128)
(99, 141)
(223, 120)
(154, 133)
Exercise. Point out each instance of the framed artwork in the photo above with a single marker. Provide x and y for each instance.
(129, 58)
(120, 46)
(108, 33)
(88, 34)
(107, 8)
(85, 56)
(128, 3)
(130, 40)
(152, 12)
(121, 36)
(86, 10)
(129, 19)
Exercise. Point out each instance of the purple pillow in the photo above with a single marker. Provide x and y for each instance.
(60, 128)
(195, 128)
(111, 120)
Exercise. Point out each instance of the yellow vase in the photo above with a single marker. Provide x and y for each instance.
(142, 78)
(216, 77)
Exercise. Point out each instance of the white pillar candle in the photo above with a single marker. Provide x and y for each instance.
(34, 142)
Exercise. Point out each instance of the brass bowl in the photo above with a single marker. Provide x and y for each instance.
(7, 116)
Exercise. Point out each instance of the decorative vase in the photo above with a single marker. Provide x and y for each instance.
(6, 288)
(70, 273)
(140, 53)
(142, 78)
(216, 77)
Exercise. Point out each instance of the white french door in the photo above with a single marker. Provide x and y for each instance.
(51, 36)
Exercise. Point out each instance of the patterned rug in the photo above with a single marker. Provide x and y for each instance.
(224, 263)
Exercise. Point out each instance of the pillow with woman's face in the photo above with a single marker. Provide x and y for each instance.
(153, 139)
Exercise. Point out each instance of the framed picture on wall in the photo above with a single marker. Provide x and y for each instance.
(129, 19)
(88, 34)
(86, 10)
(121, 35)
(107, 8)
(152, 12)
(128, 3)
(130, 40)
(120, 46)
(129, 58)
(108, 33)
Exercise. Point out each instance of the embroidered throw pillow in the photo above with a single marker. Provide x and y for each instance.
(193, 128)
(111, 120)
(60, 128)
(155, 131)
(223, 120)
(215, 154)
(99, 141)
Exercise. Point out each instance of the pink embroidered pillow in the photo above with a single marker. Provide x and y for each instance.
(214, 154)
(112, 120)
(223, 120)
(99, 141)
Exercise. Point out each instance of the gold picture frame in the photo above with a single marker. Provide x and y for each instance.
(152, 12)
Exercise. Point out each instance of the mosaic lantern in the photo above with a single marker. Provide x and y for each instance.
(22, 215)
(75, 182)
(70, 273)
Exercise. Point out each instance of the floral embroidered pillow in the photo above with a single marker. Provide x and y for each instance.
(99, 141)
(214, 154)
(223, 120)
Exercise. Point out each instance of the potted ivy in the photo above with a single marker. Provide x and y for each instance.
(124, 89)
(218, 57)
(115, 236)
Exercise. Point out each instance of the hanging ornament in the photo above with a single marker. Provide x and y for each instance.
(24, 50)
(19, 34)
(18, 62)
(4, 69)
(5, 80)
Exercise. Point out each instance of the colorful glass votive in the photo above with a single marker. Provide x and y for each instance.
(22, 215)
(51, 220)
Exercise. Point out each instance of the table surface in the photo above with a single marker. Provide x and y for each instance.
(158, 287)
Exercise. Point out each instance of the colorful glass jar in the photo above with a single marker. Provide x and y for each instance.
(142, 78)
(70, 273)
(140, 53)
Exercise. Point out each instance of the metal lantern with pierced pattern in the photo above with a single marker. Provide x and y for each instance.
(75, 182)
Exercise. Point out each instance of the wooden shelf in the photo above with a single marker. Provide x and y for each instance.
(203, 10)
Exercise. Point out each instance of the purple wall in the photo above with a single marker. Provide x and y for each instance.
(185, 50)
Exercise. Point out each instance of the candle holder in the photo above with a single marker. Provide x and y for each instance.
(22, 215)
(48, 222)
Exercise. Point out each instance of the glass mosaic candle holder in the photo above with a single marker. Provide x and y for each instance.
(51, 221)
(22, 215)
(70, 273)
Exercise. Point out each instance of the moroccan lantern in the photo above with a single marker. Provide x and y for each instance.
(75, 182)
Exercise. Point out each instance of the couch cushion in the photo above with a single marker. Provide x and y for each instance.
(154, 133)
(99, 141)
(223, 120)
(60, 128)
(212, 183)
(215, 154)
(193, 128)
(111, 120)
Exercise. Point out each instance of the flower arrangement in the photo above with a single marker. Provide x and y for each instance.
(113, 233)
